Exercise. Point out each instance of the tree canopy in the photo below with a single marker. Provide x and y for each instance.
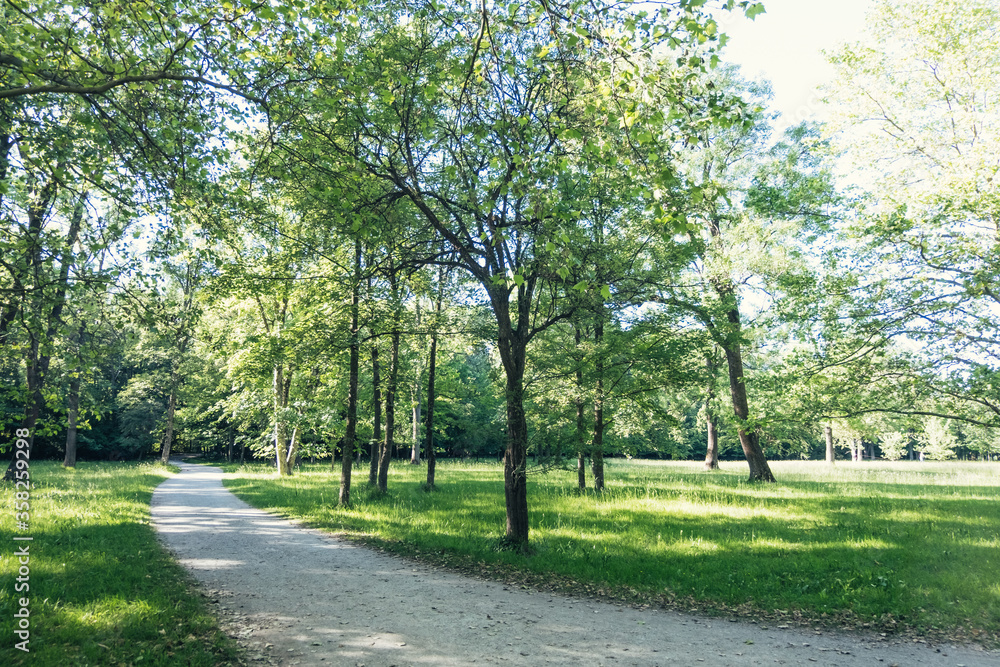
(562, 230)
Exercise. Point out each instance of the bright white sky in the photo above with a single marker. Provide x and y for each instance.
(784, 46)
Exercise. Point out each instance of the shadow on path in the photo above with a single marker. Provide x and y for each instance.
(295, 596)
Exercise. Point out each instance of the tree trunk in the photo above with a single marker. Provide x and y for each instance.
(432, 368)
(376, 443)
(347, 458)
(293, 450)
(712, 432)
(712, 451)
(429, 446)
(828, 432)
(392, 389)
(581, 454)
(73, 399)
(512, 344)
(168, 435)
(74, 407)
(597, 449)
(415, 418)
(389, 444)
(516, 457)
(416, 396)
(760, 471)
(280, 435)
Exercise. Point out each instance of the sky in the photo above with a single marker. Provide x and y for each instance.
(785, 46)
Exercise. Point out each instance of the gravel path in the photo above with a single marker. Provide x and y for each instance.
(296, 596)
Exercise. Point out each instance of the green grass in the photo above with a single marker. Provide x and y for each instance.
(102, 590)
(904, 547)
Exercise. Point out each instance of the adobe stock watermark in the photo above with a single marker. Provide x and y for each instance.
(22, 509)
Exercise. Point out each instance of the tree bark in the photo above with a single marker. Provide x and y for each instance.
(280, 435)
(389, 443)
(293, 449)
(429, 446)
(376, 443)
(432, 368)
(760, 471)
(712, 451)
(712, 431)
(392, 389)
(512, 344)
(416, 394)
(516, 457)
(73, 400)
(69, 461)
(415, 417)
(597, 448)
(168, 435)
(828, 433)
(347, 458)
(581, 454)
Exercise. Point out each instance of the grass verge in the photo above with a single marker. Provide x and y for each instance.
(102, 589)
(903, 548)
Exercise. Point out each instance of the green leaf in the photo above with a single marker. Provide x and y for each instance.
(754, 10)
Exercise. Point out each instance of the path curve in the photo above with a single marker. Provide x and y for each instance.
(296, 596)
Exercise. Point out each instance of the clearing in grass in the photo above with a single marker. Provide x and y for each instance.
(896, 547)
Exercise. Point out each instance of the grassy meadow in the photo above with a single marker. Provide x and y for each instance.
(102, 590)
(908, 547)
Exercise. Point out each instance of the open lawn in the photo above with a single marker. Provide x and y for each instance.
(902, 547)
(102, 590)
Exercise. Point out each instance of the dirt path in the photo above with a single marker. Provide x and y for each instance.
(296, 596)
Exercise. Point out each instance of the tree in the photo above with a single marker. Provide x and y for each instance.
(937, 440)
(914, 117)
(750, 210)
(86, 52)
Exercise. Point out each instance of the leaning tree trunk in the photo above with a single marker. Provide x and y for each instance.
(347, 455)
(760, 471)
